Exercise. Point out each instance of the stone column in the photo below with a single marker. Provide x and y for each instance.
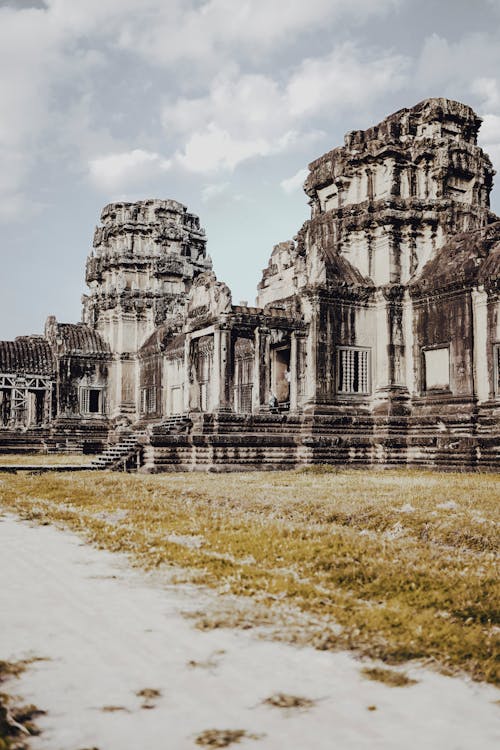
(188, 384)
(293, 372)
(256, 392)
(262, 368)
(215, 380)
(408, 339)
(480, 328)
(391, 393)
(224, 375)
(312, 353)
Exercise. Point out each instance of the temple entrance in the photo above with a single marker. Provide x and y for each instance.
(176, 400)
(280, 376)
(202, 359)
(244, 357)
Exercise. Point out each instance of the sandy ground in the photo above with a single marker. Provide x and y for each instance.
(109, 631)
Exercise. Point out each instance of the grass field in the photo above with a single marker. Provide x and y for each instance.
(42, 459)
(397, 565)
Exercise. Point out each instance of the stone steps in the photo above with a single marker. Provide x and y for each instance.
(119, 454)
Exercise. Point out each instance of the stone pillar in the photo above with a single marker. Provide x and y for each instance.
(256, 391)
(215, 380)
(312, 353)
(480, 355)
(262, 377)
(381, 365)
(188, 375)
(293, 372)
(408, 339)
(391, 394)
(224, 368)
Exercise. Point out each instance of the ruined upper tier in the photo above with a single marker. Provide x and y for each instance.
(144, 258)
(387, 201)
(426, 153)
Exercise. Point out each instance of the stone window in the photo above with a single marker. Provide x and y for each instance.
(353, 370)
(496, 369)
(148, 399)
(437, 369)
(91, 400)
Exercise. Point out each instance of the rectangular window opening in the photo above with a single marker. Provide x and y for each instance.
(91, 401)
(148, 399)
(437, 369)
(353, 368)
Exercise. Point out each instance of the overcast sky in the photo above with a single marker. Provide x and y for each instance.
(220, 104)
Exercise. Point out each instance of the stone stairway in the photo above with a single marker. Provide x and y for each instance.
(120, 455)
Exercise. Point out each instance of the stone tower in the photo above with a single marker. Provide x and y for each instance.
(390, 196)
(142, 265)
(382, 205)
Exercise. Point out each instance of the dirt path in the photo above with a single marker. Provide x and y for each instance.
(110, 632)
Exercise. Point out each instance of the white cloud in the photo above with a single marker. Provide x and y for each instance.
(343, 79)
(246, 115)
(295, 182)
(207, 31)
(489, 138)
(27, 62)
(213, 190)
(215, 148)
(486, 90)
(490, 129)
(35, 64)
(458, 68)
(49, 54)
(115, 172)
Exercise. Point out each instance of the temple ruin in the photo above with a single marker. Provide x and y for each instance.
(375, 337)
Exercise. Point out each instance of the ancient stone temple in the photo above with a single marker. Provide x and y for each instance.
(375, 337)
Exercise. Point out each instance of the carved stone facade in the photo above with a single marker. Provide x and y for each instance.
(375, 337)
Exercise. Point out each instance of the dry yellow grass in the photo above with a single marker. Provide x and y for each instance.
(389, 677)
(398, 565)
(16, 721)
(44, 459)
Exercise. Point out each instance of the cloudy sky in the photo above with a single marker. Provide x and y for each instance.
(220, 104)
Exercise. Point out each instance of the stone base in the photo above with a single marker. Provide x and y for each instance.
(255, 442)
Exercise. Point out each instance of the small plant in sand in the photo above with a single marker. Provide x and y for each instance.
(16, 722)
(390, 677)
(283, 700)
(210, 663)
(149, 696)
(224, 737)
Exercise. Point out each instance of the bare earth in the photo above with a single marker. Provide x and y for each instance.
(110, 632)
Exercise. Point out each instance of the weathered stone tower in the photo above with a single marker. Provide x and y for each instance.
(382, 205)
(145, 257)
(393, 193)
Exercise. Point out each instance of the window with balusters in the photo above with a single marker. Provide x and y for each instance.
(148, 399)
(353, 370)
(91, 401)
